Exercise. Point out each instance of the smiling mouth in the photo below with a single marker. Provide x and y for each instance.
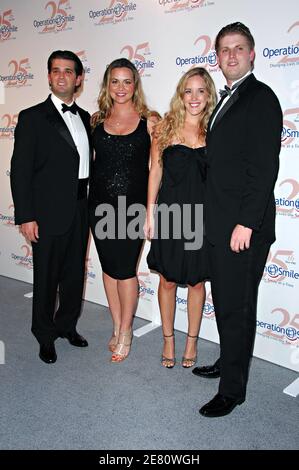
(194, 105)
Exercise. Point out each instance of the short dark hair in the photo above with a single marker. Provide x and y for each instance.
(66, 55)
(237, 27)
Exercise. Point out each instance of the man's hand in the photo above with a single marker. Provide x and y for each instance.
(240, 239)
(30, 231)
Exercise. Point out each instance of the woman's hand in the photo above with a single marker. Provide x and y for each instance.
(149, 226)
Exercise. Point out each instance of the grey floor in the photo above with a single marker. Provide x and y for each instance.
(85, 402)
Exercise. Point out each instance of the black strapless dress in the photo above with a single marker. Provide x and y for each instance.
(183, 178)
(120, 168)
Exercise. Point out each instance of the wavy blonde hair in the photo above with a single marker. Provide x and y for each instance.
(105, 101)
(169, 128)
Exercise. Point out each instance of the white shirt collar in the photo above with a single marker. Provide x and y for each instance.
(58, 102)
(241, 78)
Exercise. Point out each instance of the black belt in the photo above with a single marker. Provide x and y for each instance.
(82, 188)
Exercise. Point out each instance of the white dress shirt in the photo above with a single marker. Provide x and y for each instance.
(78, 133)
(228, 96)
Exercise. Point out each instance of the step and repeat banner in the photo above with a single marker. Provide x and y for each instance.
(164, 38)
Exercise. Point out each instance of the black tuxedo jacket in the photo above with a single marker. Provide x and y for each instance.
(243, 148)
(44, 168)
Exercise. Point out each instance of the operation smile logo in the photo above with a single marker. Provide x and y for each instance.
(58, 20)
(20, 74)
(285, 56)
(6, 26)
(145, 290)
(208, 308)
(285, 330)
(172, 6)
(280, 268)
(8, 125)
(181, 303)
(89, 273)
(289, 205)
(115, 12)
(140, 55)
(8, 220)
(25, 259)
(290, 133)
(86, 67)
(206, 57)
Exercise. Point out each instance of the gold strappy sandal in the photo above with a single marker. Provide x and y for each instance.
(113, 340)
(123, 346)
(167, 362)
(188, 362)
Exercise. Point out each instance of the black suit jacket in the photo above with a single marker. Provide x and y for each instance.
(243, 158)
(44, 168)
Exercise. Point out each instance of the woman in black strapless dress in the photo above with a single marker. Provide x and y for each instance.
(119, 177)
(177, 177)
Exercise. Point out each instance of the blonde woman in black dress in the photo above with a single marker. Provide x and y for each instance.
(121, 139)
(177, 177)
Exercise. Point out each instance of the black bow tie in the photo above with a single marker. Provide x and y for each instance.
(73, 109)
(227, 90)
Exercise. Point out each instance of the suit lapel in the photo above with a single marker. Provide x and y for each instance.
(86, 121)
(234, 97)
(54, 118)
(214, 112)
(232, 100)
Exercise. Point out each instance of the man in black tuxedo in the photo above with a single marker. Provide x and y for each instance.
(243, 145)
(49, 176)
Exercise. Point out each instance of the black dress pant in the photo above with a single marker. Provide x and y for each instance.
(235, 278)
(59, 263)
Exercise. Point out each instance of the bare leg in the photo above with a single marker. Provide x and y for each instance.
(127, 293)
(111, 290)
(195, 302)
(166, 297)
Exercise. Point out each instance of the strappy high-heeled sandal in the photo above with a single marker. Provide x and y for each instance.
(167, 362)
(188, 362)
(113, 340)
(123, 346)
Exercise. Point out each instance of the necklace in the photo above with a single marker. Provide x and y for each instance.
(192, 145)
(115, 124)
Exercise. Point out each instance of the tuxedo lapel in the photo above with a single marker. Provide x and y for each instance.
(214, 112)
(54, 118)
(86, 121)
(234, 97)
(232, 100)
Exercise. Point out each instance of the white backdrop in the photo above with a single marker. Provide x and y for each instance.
(164, 38)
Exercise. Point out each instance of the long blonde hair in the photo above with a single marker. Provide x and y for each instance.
(105, 101)
(169, 128)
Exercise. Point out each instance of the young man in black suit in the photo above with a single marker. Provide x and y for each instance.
(49, 176)
(243, 145)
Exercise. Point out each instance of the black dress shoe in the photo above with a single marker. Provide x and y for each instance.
(209, 372)
(76, 340)
(47, 353)
(220, 406)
